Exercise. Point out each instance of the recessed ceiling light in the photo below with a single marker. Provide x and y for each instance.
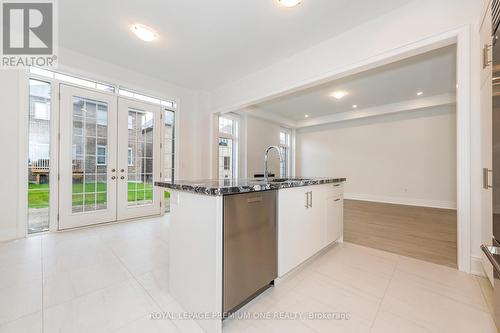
(289, 3)
(339, 94)
(144, 32)
(420, 93)
(354, 106)
(306, 116)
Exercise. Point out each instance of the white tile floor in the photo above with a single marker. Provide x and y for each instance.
(110, 278)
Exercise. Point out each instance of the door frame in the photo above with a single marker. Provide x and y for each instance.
(24, 75)
(157, 167)
(466, 171)
(103, 216)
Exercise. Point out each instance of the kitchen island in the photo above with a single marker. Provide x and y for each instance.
(287, 222)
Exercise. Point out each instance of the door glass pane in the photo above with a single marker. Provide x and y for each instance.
(90, 153)
(225, 125)
(284, 162)
(140, 157)
(225, 158)
(168, 149)
(38, 156)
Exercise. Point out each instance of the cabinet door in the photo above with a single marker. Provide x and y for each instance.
(292, 228)
(334, 218)
(315, 220)
(485, 44)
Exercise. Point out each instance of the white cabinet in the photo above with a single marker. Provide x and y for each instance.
(486, 46)
(334, 218)
(303, 213)
(294, 241)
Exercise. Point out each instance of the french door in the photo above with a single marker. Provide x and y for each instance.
(139, 129)
(109, 158)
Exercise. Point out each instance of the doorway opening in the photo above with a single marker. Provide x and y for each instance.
(95, 152)
(392, 132)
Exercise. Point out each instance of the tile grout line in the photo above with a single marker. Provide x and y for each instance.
(41, 261)
(105, 287)
(385, 292)
(391, 312)
(102, 288)
(448, 297)
(136, 280)
(476, 279)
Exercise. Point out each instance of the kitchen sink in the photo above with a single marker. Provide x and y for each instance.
(283, 180)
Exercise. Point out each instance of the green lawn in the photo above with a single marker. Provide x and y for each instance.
(38, 194)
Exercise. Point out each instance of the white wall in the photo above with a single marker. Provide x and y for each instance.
(9, 133)
(192, 130)
(190, 101)
(406, 158)
(413, 22)
(371, 42)
(260, 134)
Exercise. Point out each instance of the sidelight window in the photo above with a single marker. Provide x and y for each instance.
(228, 148)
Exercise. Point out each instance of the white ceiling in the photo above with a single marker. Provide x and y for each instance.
(203, 43)
(433, 73)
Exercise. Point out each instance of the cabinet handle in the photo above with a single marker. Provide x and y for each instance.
(307, 199)
(311, 199)
(336, 185)
(337, 199)
(486, 58)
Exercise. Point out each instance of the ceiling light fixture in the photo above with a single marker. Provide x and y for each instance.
(144, 32)
(289, 3)
(339, 94)
(306, 116)
(420, 93)
(354, 106)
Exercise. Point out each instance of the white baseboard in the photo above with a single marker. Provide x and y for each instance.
(476, 267)
(402, 201)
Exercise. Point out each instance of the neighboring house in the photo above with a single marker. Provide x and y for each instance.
(39, 127)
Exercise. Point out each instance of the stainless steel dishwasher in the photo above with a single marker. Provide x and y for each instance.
(250, 251)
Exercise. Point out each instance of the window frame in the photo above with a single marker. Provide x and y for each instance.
(51, 151)
(288, 147)
(173, 142)
(130, 156)
(234, 136)
(97, 155)
(49, 76)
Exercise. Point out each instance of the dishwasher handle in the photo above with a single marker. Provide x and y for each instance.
(254, 200)
(488, 250)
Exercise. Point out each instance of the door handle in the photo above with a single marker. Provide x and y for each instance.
(486, 177)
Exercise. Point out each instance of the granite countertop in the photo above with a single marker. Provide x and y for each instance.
(217, 187)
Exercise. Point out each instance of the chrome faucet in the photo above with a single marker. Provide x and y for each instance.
(266, 172)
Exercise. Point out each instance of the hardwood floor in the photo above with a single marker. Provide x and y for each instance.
(423, 233)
